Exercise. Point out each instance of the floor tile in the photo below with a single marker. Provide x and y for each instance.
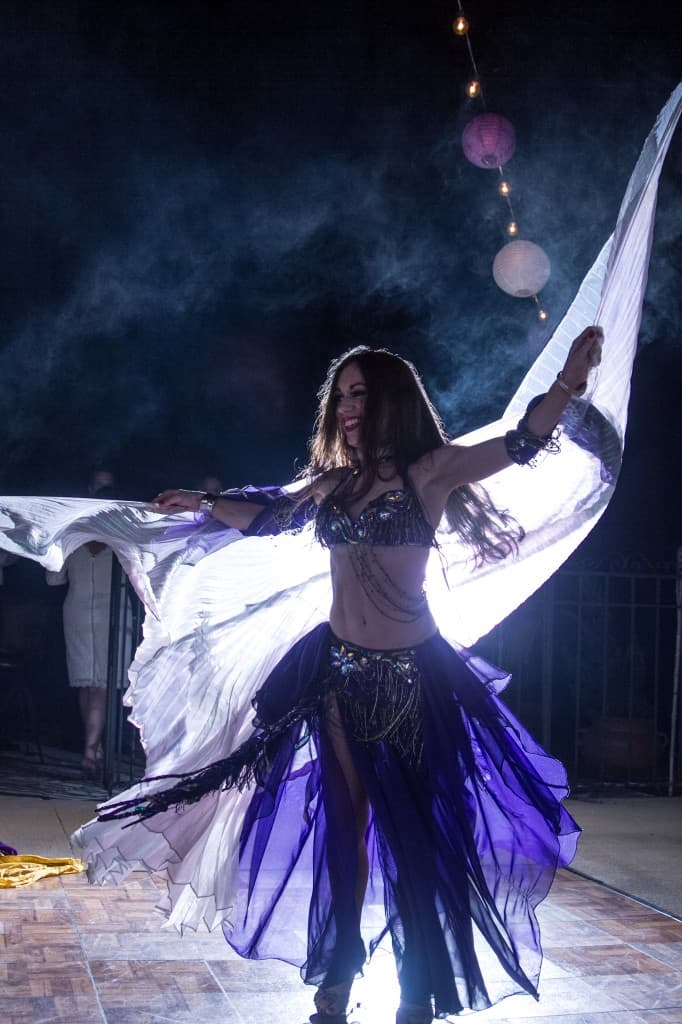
(123, 944)
(608, 959)
(33, 931)
(195, 1015)
(33, 992)
(48, 892)
(116, 909)
(257, 975)
(22, 1011)
(557, 996)
(617, 1017)
(650, 928)
(645, 991)
(572, 932)
(171, 987)
(284, 1008)
(667, 952)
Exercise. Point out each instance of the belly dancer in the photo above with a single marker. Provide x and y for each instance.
(380, 751)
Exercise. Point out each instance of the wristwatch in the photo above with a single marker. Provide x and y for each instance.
(206, 503)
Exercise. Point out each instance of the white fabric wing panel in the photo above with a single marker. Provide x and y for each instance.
(559, 502)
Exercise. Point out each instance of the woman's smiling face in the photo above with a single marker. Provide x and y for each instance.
(350, 395)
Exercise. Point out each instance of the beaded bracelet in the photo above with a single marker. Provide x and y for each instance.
(523, 445)
(573, 392)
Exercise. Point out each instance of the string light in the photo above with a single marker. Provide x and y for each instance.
(474, 91)
(543, 315)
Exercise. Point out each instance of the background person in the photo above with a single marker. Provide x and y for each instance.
(86, 628)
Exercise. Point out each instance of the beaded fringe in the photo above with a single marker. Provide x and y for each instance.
(246, 766)
(379, 694)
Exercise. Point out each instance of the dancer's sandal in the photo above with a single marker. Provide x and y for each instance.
(331, 1004)
(411, 1013)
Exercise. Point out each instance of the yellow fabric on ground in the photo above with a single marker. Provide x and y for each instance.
(24, 869)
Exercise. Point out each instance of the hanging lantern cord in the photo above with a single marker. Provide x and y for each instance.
(477, 77)
(512, 227)
(505, 196)
(542, 313)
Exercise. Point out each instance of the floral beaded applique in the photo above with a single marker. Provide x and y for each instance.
(348, 658)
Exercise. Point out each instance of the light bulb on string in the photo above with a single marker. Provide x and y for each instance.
(543, 315)
(512, 228)
(460, 25)
(473, 88)
(504, 188)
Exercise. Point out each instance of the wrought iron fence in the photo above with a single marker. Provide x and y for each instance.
(123, 755)
(595, 662)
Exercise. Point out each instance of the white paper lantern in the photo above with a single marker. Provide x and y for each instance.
(521, 269)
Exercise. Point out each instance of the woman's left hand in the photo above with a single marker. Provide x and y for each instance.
(585, 353)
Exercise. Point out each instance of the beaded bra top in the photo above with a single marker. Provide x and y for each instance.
(393, 519)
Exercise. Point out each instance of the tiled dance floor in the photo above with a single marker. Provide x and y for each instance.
(74, 954)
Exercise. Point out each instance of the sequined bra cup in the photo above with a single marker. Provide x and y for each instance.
(393, 519)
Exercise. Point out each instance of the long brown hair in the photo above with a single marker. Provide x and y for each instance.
(399, 420)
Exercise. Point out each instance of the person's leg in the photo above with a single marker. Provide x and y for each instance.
(402, 806)
(92, 702)
(337, 737)
(423, 955)
(347, 814)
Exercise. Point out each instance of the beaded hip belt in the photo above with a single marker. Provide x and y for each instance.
(379, 695)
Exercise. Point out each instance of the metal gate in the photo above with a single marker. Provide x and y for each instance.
(594, 656)
(123, 755)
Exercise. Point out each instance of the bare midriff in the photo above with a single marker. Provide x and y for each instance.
(368, 620)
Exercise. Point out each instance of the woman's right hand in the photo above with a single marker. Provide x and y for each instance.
(177, 501)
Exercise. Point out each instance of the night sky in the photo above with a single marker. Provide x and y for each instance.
(203, 203)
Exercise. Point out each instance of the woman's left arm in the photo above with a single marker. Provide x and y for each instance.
(454, 465)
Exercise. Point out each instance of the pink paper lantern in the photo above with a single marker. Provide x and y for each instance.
(489, 140)
(521, 269)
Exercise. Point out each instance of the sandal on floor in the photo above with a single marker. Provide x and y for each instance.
(331, 1003)
(410, 1013)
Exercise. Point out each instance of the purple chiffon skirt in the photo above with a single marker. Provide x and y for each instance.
(466, 828)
